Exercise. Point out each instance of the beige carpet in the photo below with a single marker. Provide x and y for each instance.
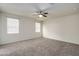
(39, 47)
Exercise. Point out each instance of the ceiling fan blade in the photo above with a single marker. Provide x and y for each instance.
(44, 15)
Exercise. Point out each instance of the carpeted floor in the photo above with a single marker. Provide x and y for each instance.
(39, 47)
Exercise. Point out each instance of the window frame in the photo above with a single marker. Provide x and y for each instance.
(36, 29)
(18, 23)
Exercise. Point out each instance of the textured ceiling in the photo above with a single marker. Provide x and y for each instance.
(27, 9)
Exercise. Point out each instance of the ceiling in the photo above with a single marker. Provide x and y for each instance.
(27, 9)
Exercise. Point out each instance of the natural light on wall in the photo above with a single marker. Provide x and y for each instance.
(37, 27)
(12, 26)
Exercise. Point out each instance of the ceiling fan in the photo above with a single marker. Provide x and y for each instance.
(42, 12)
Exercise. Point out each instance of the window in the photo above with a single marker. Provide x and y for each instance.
(12, 25)
(37, 27)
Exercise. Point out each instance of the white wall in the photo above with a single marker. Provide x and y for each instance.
(64, 29)
(27, 29)
(0, 28)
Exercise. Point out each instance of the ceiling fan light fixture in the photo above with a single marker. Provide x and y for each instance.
(40, 16)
